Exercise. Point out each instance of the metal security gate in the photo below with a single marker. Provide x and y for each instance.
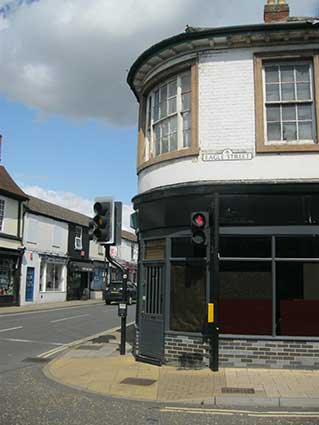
(151, 324)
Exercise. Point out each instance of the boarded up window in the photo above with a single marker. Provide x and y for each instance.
(155, 249)
(188, 297)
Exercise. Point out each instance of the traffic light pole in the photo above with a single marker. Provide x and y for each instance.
(124, 299)
(214, 284)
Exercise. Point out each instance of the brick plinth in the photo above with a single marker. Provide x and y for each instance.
(193, 351)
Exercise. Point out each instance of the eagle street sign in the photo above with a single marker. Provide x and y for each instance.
(227, 155)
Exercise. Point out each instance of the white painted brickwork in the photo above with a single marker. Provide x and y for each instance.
(227, 121)
(226, 101)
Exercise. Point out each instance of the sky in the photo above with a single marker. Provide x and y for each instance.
(68, 117)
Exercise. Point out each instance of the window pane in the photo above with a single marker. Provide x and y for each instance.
(289, 113)
(287, 73)
(183, 248)
(188, 297)
(305, 131)
(163, 93)
(156, 98)
(288, 91)
(187, 142)
(303, 91)
(186, 102)
(155, 249)
(172, 88)
(245, 298)
(157, 134)
(304, 112)
(289, 131)
(297, 247)
(164, 109)
(165, 144)
(274, 132)
(187, 120)
(272, 74)
(164, 126)
(173, 142)
(173, 124)
(302, 73)
(273, 113)
(172, 105)
(272, 92)
(297, 299)
(245, 246)
(156, 112)
(186, 82)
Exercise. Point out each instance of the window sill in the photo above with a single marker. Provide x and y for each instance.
(287, 148)
(169, 156)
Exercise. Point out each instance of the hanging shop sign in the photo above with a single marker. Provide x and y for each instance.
(227, 155)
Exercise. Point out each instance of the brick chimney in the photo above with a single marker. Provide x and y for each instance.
(276, 11)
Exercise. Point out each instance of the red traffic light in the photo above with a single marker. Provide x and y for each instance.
(199, 220)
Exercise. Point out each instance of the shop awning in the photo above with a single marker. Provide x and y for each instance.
(82, 267)
(11, 252)
(55, 260)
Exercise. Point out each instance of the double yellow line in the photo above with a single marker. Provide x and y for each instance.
(230, 412)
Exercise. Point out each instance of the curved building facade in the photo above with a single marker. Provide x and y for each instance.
(229, 125)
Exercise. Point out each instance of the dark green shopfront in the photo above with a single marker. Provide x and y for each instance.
(268, 276)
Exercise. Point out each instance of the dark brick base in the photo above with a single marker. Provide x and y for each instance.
(272, 354)
(189, 351)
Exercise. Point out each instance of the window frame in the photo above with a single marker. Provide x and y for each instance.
(262, 145)
(145, 158)
(78, 238)
(2, 217)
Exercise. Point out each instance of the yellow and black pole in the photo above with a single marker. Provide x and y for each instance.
(213, 305)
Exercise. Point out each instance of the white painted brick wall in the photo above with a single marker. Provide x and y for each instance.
(227, 121)
(226, 101)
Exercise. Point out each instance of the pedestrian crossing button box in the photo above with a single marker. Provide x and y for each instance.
(122, 311)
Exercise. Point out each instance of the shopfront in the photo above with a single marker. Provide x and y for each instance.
(79, 278)
(52, 279)
(268, 276)
(10, 266)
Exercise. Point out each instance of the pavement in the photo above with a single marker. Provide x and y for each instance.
(97, 367)
(47, 306)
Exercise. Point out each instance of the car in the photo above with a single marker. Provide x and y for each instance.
(114, 292)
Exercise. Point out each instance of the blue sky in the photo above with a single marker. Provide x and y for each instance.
(68, 118)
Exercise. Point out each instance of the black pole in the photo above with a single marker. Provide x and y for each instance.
(214, 284)
(124, 297)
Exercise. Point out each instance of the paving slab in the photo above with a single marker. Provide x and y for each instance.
(106, 372)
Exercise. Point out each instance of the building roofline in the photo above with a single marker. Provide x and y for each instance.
(199, 33)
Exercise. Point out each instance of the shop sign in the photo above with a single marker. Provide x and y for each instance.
(227, 155)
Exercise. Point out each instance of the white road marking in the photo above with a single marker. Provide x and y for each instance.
(77, 342)
(11, 329)
(224, 412)
(31, 341)
(68, 318)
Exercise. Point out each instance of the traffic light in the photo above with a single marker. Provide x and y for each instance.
(106, 226)
(200, 228)
(102, 226)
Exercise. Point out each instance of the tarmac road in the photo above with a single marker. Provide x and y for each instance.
(28, 397)
(28, 334)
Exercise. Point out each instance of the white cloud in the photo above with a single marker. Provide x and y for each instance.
(74, 202)
(70, 57)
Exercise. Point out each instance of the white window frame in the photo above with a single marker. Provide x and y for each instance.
(100, 249)
(150, 148)
(78, 239)
(295, 103)
(2, 214)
